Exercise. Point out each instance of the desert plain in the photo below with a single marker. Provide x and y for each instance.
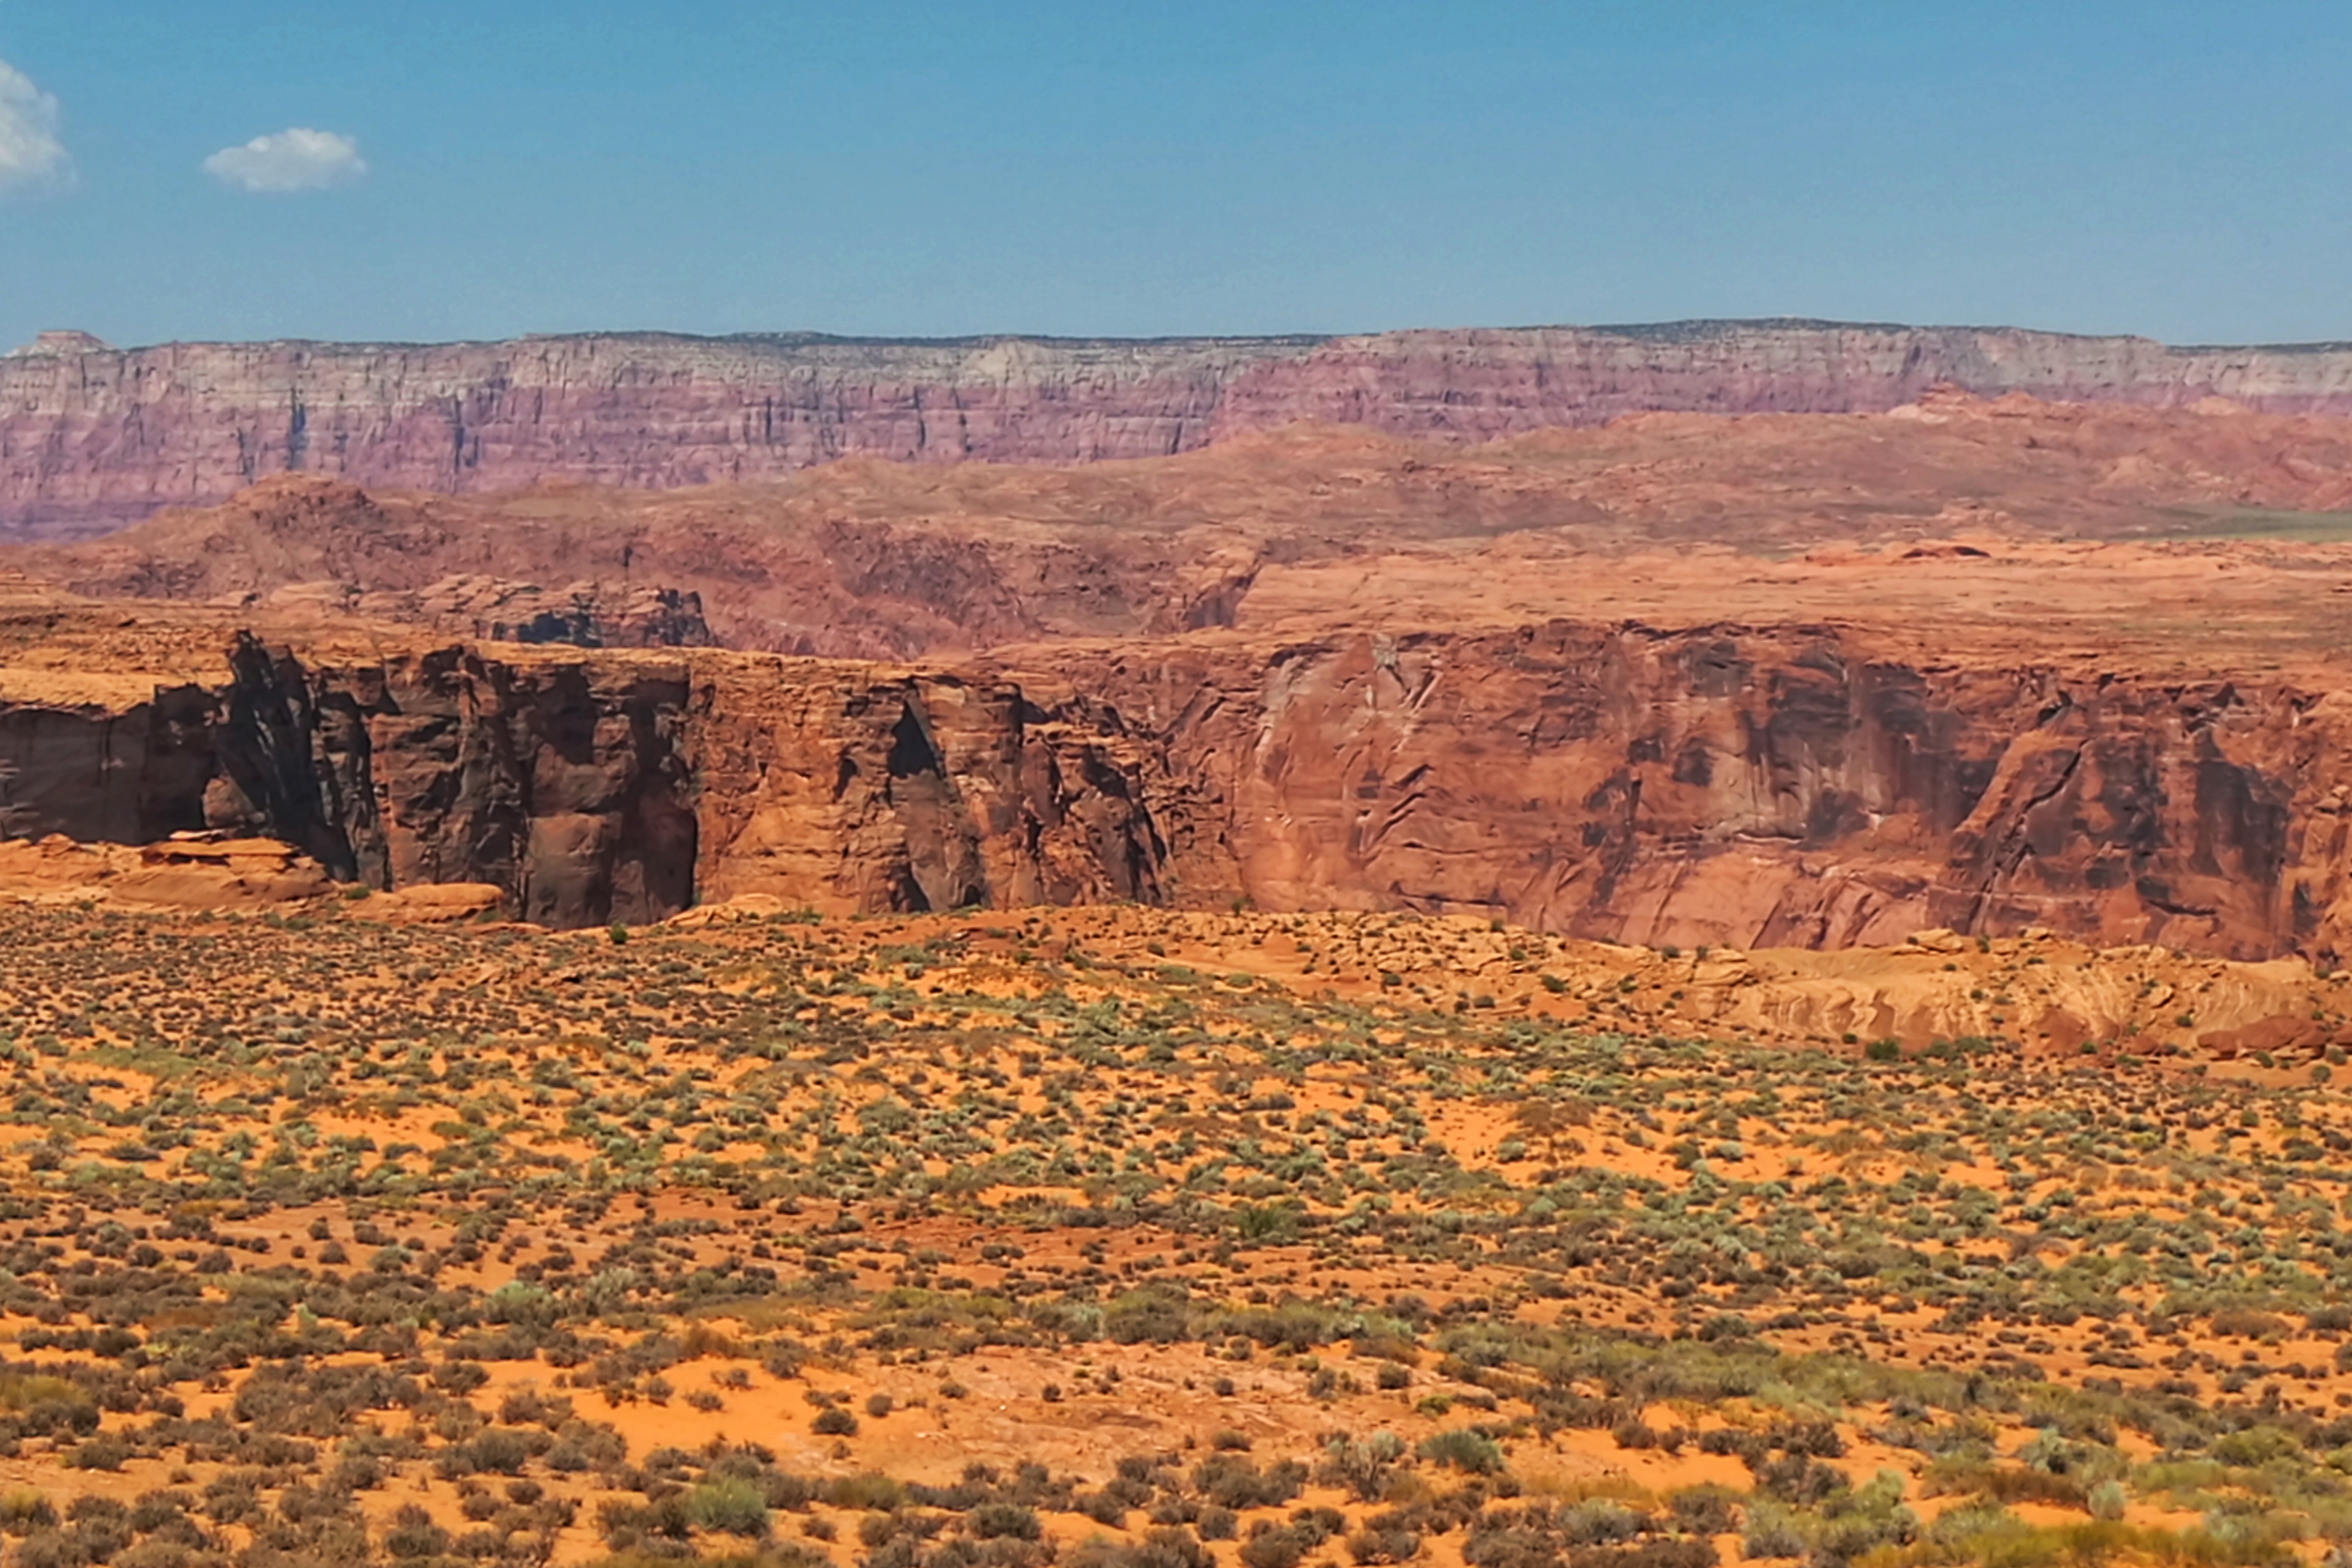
(1693, 988)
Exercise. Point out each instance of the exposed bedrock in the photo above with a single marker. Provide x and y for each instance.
(95, 772)
(1789, 787)
(609, 787)
(92, 436)
(1795, 786)
(858, 787)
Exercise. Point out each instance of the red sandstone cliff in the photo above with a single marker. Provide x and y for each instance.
(91, 437)
(594, 787)
(1798, 786)
(1802, 786)
(1804, 679)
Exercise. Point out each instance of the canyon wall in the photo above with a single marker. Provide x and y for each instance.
(91, 437)
(601, 787)
(98, 773)
(1790, 786)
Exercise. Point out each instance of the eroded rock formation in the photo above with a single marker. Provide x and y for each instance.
(871, 559)
(104, 772)
(885, 789)
(1779, 786)
(495, 609)
(1792, 786)
(94, 436)
(599, 787)
(1806, 680)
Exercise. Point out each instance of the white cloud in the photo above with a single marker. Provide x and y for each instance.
(296, 160)
(31, 156)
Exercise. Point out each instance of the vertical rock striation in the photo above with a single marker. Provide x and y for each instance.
(843, 787)
(1794, 785)
(1789, 787)
(597, 787)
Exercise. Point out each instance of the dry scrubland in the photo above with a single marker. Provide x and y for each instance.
(1121, 1239)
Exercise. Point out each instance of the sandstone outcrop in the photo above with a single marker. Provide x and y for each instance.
(1782, 679)
(495, 609)
(597, 787)
(835, 572)
(430, 903)
(1705, 786)
(185, 871)
(1722, 786)
(1783, 786)
(119, 770)
(94, 436)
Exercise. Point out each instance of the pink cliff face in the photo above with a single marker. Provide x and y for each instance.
(92, 437)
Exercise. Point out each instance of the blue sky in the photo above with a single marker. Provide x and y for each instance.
(494, 167)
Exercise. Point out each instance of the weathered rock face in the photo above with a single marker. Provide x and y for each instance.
(93, 436)
(1478, 385)
(563, 782)
(828, 786)
(94, 774)
(1807, 786)
(1784, 787)
(593, 788)
(98, 436)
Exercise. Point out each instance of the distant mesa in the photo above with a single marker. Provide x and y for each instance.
(56, 345)
(92, 439)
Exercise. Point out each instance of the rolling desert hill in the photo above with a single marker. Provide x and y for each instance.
(865, 558)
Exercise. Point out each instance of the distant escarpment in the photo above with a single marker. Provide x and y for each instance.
(1311, 524)
(91, 437)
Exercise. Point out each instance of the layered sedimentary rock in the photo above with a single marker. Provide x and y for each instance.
(1482, 384)
(592, 788)
(870, 560)
(1785, 786)
(1794, 785)
(91, 436)
(1794, 679)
